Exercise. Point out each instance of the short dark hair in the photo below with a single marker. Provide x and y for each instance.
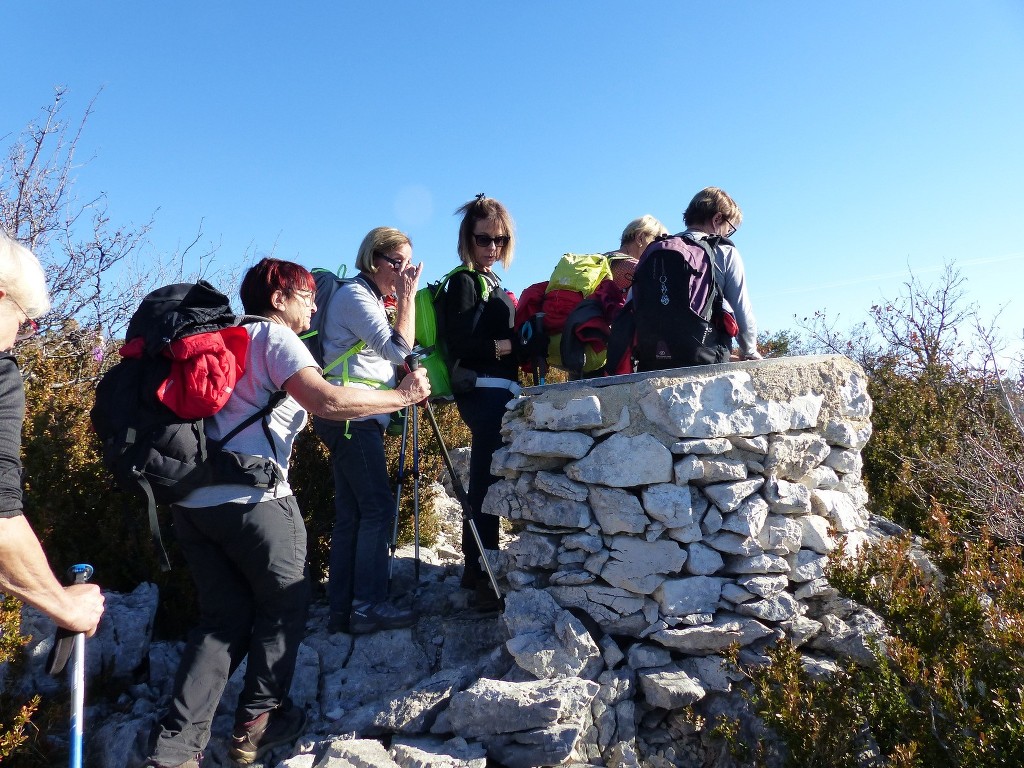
(271, 275)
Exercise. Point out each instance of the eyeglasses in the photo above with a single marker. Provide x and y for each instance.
(732, 228)
(28, 327)
(395, 263)
(308, 297)
(484, 241)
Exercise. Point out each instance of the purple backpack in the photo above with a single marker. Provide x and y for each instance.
(677, 305)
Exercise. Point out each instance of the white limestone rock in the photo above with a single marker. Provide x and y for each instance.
(806, 565)
(555, 512)
(821, 477)
(781, 534)
(640, 566)
(845, 461)
(687, 534)
(815, 588)
(780, 607)
(748, 519)
(735, 594)
(722, 470)
(790, 457)
(507, 464)
(787, 498)
(702, 560)
(619, 426)
(563, 445)
(616, 510)
(727, 629)
(577, 414)
(815, 534)
(728, 496)
(670, 687)
(693, 594)
(689, 469)
(558, 484)
(734, 544)
(624, 462)
(702, 447)
(669, 504)
(839, 509)
(854, 401)
(848, 434)
(762, 585)
(763, 563)
(757, 445)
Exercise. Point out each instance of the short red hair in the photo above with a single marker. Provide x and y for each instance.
(271, 275)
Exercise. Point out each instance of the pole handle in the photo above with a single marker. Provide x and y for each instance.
(64, 640)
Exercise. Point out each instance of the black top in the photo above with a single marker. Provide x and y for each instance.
(12, 415)
(475, 349)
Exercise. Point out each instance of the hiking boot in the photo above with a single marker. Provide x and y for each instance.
(338, 623)
(251, 740)
(373, 617)
(483, 598)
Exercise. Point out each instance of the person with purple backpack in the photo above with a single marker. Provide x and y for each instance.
(713, 212)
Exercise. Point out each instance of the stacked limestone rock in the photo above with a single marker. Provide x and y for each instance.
(686, 514)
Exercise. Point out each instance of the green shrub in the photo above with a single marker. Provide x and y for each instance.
(947, 688)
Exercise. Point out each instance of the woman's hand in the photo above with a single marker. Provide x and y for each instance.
(407, 282)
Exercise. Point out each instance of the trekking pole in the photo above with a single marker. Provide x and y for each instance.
(413, 362)
(416, 491)
(68, 644)
(540, 363)
(399, 478)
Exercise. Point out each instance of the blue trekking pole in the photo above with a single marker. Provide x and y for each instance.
(72, 644)
(416, 490)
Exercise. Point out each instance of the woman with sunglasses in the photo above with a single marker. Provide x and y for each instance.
(478, 334)
(362, 350)
(24, 571)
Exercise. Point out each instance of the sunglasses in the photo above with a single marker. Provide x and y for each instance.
(395, 263)
(484, 241)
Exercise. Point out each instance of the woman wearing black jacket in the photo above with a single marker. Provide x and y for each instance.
(478, 334)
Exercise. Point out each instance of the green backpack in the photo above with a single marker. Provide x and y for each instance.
(430, 312)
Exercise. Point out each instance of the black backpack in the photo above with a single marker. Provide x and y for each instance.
(150, 450)
(676, 306)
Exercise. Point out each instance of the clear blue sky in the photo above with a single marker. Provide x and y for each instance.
(859, 138)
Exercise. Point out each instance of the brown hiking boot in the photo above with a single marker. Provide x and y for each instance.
(251, 740)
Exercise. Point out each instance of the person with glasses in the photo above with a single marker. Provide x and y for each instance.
(713, 212)
(478, 333)
(24, 570)
(362, 351)
(246, 547)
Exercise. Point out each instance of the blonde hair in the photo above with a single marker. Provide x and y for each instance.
(21, 276)
(483, 208)
(645, 228)
(378, 242)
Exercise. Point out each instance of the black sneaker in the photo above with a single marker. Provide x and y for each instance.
(251, 740)
(374, 617)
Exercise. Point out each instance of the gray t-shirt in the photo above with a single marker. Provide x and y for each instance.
(275, 355)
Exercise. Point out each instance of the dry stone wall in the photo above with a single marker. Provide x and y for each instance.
(695, 510)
